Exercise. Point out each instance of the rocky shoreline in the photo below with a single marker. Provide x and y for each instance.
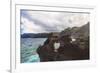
(69, 49)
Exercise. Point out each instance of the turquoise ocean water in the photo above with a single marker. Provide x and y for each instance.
(28, 49)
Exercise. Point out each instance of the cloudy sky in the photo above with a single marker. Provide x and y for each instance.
(40, 21)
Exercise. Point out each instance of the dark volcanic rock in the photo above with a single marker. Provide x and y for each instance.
(77, 50)
(77, 32)
(66, 51)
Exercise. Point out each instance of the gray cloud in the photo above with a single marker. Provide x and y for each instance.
(51, 21)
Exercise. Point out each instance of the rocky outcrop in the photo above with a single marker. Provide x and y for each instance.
(66, 51)
(77, 32)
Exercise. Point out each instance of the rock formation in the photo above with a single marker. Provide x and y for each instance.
(77, 50)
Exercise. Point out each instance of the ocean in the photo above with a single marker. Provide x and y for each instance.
(28, 49)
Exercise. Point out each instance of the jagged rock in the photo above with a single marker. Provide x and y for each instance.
(66, 51)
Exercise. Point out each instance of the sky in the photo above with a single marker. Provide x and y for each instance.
(44, 21)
